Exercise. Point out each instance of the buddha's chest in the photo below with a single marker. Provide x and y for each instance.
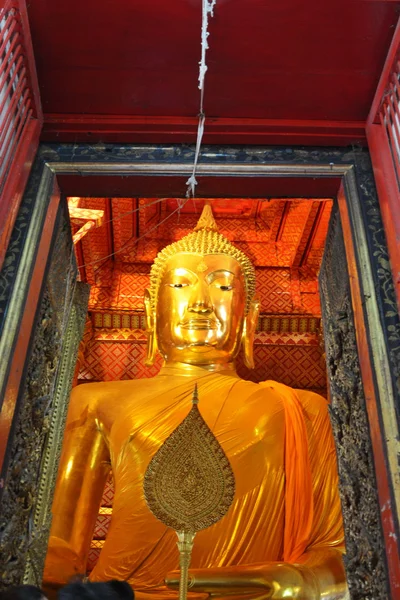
(251, 436)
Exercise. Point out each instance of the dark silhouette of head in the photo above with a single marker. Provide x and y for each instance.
(109, 590)
(23, 592)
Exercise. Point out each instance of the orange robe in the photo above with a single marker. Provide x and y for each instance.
(281, 449)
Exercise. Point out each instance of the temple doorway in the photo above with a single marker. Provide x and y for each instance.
(279, 207)
(117, 239)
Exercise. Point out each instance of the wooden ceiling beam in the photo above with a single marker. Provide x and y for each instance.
(154, 130)
(313, 232)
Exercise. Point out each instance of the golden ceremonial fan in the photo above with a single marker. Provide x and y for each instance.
(189, 484)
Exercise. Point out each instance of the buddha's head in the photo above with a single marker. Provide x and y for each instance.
(201, 303)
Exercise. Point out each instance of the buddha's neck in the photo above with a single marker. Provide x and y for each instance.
(189, 370)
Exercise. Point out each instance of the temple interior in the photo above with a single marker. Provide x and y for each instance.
(199, 299)
(116, 241)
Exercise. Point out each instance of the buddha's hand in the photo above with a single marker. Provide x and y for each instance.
(62, 563)
(273, 581)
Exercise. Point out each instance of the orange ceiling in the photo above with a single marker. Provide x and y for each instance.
(284, 238)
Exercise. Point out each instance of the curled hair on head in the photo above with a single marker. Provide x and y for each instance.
(204, 240)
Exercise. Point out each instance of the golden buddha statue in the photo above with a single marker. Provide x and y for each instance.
(283, 536)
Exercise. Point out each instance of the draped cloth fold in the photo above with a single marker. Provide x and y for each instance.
(280, 445)
(299, 506)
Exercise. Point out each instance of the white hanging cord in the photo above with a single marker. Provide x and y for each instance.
(192, 181)
(207, 11)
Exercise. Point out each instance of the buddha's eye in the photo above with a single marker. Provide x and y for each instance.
(225, 288)
(178, 285)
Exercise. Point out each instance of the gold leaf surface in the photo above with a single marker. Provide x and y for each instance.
(189, 484)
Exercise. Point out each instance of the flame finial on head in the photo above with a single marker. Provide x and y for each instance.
(206, 221)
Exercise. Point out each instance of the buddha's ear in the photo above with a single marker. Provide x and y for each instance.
(249, 330)
(151, 351)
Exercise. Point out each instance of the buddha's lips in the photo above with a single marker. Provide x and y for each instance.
(196, 324)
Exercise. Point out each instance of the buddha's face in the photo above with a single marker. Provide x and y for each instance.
(200, 309)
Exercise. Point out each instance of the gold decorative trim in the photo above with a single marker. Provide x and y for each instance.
(189, 484)
(231, 169)
(380, 360)
(52, 450)
(118, 320)
(23, 278)
(114, 321)
(105, 510)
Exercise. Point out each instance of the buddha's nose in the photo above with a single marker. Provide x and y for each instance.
(200, 308)
(200, 301)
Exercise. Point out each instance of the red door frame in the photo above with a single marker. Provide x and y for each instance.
(385, 162)
(24, 152)
(336, 179)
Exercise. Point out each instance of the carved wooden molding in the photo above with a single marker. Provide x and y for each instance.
(71, 167)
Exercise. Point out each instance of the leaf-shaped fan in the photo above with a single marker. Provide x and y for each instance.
(189, 484)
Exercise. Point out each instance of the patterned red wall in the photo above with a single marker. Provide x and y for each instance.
(296, 363)
(120, 286)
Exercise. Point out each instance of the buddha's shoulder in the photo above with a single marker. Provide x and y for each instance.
(313, 404)
(261, 394)
(97, 393)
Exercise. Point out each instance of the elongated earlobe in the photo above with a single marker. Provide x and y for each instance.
(152, 348)
(249, 330)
